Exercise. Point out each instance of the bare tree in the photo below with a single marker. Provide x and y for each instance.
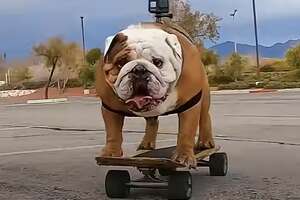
(70, 63)
(52, 52)
(200, 26)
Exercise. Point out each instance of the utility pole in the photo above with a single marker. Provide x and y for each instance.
(6, 79)
(256, 40)
(7, 75)
(83, 38)
(233, 17)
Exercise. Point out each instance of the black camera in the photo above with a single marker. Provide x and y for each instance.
(159, 6)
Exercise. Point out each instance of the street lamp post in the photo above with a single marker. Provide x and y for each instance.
(83, 38)
(256, 40)
(233, 17)
(8, 74)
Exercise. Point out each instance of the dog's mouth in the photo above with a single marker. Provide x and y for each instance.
(144, 103)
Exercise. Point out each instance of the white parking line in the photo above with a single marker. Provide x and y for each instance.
(33, 104)
(14, 128)
(47, 101)
(69, 148)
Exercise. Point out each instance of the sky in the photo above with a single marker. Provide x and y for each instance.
(24, 23)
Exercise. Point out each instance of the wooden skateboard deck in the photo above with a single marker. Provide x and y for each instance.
(158, 158)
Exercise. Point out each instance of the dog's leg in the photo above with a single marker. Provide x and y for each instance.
(113, 126)
(188, 124)
(149, 140)
(205, 139)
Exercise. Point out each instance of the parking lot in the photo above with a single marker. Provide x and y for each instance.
(47, 151)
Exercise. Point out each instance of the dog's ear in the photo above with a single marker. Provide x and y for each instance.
(108, 42)
(113, 45)
(173, 42)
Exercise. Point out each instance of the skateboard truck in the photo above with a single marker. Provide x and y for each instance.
(160, 172)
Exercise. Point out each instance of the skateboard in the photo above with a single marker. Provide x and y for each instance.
(160, 171)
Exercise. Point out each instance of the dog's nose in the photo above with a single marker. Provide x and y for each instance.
(140, 72)
(139, 69)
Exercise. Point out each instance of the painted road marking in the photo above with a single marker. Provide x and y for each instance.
(70, 148)
(34, 104)
(42, 101)
(14, 128)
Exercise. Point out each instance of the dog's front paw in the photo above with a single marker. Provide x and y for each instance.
(108, 151)
(185, 157)
(208, 144)
(146, 145)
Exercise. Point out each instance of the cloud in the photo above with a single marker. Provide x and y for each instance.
(26, 22)
(16, 7)
(267, 9)
(93, 8)
(277, 19)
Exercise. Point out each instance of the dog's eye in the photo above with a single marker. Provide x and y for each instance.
(120, 63)
(157, 62)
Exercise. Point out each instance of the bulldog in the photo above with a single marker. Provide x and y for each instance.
(149, 70)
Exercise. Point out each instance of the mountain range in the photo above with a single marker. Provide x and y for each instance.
(277, 50)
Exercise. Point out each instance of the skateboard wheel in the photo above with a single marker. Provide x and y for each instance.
(180, 185)
(218, 164)
(116, 184)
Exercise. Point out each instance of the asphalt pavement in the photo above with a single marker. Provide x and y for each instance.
(47, 151)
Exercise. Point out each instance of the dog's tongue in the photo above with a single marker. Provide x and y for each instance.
(139, 101)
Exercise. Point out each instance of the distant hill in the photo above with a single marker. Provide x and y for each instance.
(278, 50)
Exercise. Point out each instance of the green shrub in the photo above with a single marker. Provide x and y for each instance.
(209, 57)
(281, 66)
(267, 68)
(292, 57)
(34, 84)
(281, 85)
(274, 85)
(234, 86)
(20, 74)
(249, 77)
(6, 87)
(215, 80)
(73, 83)
(234, 66)
(93, 56)
(87, 75)
(292, 76)
(292, 85)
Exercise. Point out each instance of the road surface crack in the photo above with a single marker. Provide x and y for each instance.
(218, 137)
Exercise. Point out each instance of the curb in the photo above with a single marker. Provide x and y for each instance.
(263, 91)
(230, 92)
(290, 90)
(45, 101)
(221, 92)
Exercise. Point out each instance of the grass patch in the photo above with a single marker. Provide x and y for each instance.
(291, 76)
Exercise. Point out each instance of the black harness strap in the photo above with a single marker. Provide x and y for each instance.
(127, 114)
(192, 102)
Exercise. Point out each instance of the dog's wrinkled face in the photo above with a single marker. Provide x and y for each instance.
(142, 66)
